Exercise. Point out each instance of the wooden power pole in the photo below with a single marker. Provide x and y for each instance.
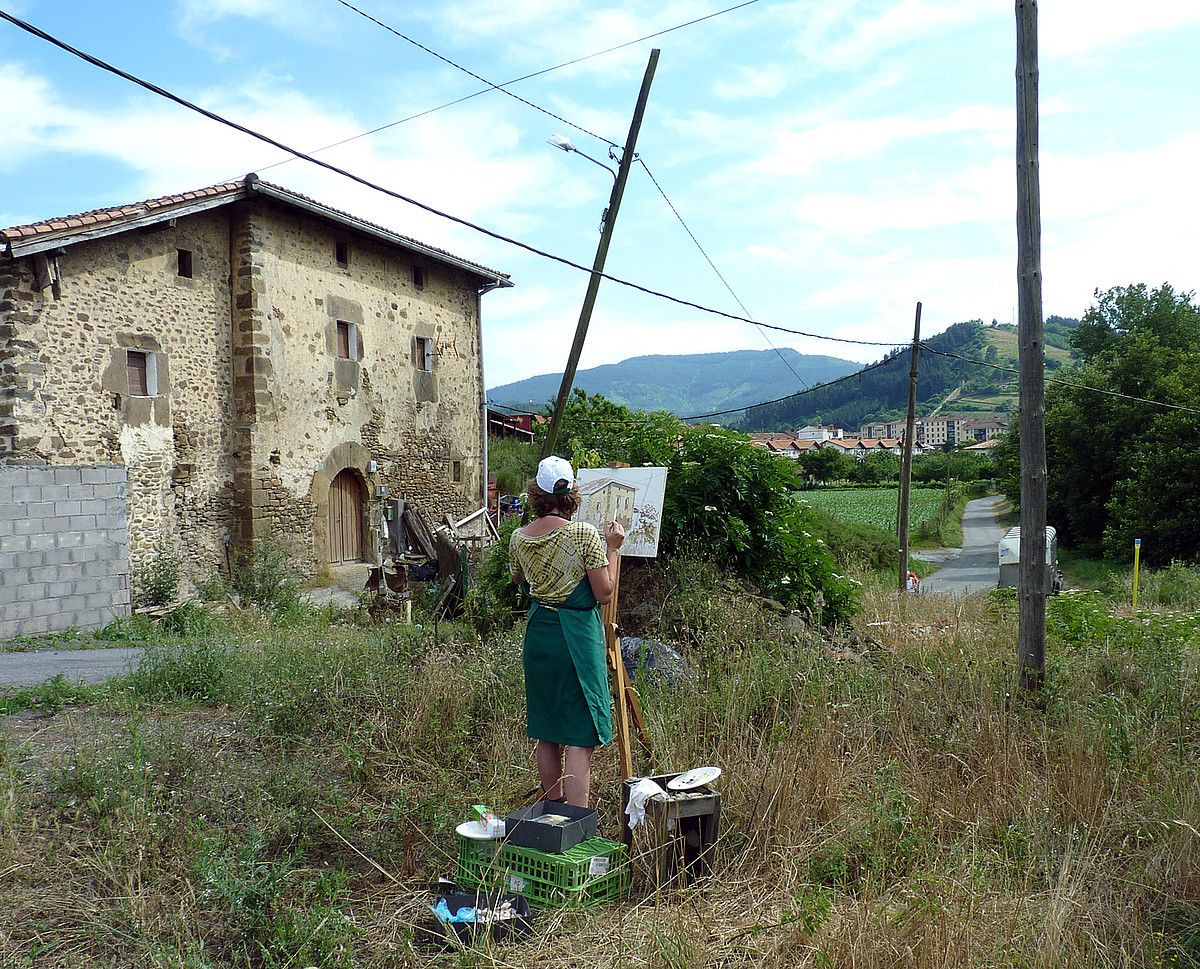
(1031, 589)
(610, 220)
(906, 466)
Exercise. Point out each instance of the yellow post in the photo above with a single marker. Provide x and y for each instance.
(1137, 554)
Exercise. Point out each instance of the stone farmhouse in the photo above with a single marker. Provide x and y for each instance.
(248, 362)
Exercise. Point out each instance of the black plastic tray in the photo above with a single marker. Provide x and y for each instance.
(522, 828)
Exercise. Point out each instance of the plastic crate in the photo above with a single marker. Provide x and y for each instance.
(590, 873)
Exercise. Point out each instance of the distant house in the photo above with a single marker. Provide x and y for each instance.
(819, 432)
(956, 429)
(883, 429)
(505, 423)
(987, 429)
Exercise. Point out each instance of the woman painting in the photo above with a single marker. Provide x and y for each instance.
(569, 572)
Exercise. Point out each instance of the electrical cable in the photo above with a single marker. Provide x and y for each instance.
(1065, 383)
(466, 70)
(686, 228)
(516, 80)
(424, 206)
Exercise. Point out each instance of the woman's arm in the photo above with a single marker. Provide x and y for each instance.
(604, 579)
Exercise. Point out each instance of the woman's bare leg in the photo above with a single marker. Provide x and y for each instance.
(550, 770)
(577, 782)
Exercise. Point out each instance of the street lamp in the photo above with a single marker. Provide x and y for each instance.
(628, 154)
(559, 141)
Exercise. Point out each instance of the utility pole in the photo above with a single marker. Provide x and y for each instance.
(610, 220)
(1031, 586)
(906, 466)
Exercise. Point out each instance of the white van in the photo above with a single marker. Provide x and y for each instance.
(1009, 554)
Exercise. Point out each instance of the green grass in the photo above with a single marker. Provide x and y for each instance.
(267, 796)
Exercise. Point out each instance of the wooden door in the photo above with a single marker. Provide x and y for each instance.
(345, 519)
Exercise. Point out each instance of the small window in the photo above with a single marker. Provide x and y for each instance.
(143, 373)
(185, 263)
(344, 333)
(341, 252)
(424, 353)
(418, 277)
(456, 471)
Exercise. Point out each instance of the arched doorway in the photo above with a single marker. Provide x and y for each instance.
(345, 518)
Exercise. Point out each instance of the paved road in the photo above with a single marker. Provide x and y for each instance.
(77, 665)
(976, 567)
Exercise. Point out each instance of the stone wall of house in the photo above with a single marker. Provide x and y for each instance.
(253, 413)
(70, 403)
(64, 548)
(314, 413)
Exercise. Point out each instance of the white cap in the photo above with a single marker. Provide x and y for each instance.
(551, 471)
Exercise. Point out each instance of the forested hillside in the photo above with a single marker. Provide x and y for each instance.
(963, 387)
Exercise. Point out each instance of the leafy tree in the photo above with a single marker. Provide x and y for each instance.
(726, 501)
(878, 468)
(828, 464)
(1119, 469)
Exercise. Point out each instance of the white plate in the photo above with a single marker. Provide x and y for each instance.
(696, 777)
(475, 830)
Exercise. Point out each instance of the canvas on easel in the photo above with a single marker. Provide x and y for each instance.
(632, 496)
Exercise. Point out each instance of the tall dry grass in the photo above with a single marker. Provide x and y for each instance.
(272, 798)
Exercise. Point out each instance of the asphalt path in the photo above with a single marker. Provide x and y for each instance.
(77, 665)
(976, 567)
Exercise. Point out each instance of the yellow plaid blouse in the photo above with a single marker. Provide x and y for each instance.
(554, 563)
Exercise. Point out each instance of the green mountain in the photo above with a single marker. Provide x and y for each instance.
(686, 384)
(955, 385)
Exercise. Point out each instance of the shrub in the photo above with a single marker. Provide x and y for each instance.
(212, 588)
(158, 582)
(267, 576)
(513, 462)
(187, 619)
(494, 602)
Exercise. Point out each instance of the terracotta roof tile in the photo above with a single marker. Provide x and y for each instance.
(116, 214)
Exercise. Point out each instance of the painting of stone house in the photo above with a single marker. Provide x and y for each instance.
(632, 496)
(254, 362)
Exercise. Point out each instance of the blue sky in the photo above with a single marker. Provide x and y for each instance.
(838, 159)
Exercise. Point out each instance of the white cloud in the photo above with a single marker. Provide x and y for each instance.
(795, 152)
(752, 82)
(848, 34)
(1073, 29)
(291, 14)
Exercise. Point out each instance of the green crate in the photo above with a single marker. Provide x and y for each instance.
(592, 872)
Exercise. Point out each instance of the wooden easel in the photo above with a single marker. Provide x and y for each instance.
(626, 696)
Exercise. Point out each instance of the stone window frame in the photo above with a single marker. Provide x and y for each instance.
(418, 277)
(151, 370)
(351, 344)
(424, 353)
(341, 253)
(185, 264)
(456, 471)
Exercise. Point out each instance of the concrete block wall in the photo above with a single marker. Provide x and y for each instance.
(64, 548)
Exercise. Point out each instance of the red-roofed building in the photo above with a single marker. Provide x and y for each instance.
(258, 362)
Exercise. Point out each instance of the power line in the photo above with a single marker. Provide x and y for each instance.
(519, 79)
(466, 70)
(686, 228)
(424, 206)
(516, 80)
(1065, 383)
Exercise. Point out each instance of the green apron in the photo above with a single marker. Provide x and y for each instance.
(566, 671)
